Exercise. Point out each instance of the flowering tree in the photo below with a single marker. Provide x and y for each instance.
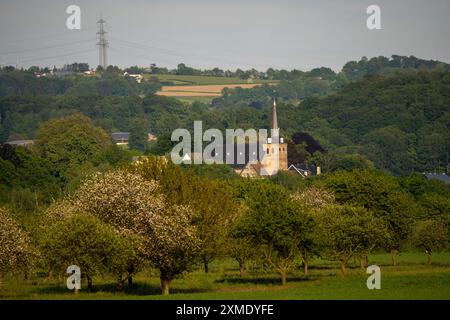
(16, 251)
(132, 206)
(314, 198)
(211, 201)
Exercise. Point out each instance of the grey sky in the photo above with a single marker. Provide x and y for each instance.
(228, 34)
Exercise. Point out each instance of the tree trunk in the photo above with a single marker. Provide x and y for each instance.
(49, 276)
(205, 265)
(130, 276)
(242, 269)
(165, 285)
(343, 268)
(89, 280)
(283, 277)
(305, 263)
(429, 258)
(363, 262)
(394, 257)
(120, 282)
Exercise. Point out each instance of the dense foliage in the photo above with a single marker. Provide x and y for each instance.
(75, 197)
(398, 122)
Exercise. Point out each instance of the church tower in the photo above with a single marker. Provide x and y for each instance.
(275, 157)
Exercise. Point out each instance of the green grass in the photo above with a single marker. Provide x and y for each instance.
(202, 80)
(190, 100)
(412, 279)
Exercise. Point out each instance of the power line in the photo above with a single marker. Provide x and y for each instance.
(141, 46)
(125, 52)
(104, 44)
(47, 47)
(56, 35)
(58, 56)
(222, 49)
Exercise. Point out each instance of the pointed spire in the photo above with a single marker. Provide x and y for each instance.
(274, 115)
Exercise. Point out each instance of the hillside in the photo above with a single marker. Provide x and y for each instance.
(399, 121)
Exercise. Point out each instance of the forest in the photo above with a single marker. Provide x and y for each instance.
(390, 113)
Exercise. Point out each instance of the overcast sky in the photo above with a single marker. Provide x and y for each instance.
(228, 33)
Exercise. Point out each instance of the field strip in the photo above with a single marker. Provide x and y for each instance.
(187, 94)
(201, 90)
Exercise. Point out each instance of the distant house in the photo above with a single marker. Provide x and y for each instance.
(120, 138)
(89, 73)
(21, 143)
(137, 77)
(40, 75)
(151, 137)
(299, 171)
(438, 176)
(305, 170)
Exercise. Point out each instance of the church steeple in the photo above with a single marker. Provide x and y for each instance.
(274, 115)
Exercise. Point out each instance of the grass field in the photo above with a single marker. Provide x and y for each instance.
(412, 279)
(202, 80)
(193, 99)
(200, 88)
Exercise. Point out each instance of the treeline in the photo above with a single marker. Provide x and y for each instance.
(351, 70)
(397, 122)
(400, 123)
(295, 84)
(109, 82)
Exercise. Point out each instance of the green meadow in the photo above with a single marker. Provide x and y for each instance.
(411, 279)
(202, 80)
(191, 100)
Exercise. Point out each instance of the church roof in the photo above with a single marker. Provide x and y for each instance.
(238, 155)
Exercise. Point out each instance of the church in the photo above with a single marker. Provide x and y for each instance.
(274, 155)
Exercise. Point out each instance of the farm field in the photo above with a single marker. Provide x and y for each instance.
(412, 279)
(190, 100)
(180, 80)
(201, 88)
(200, 91)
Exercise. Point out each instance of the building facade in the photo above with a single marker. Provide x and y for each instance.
(275, 157)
